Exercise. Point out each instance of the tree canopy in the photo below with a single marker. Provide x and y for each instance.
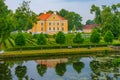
(95, 36)
(108, 18)
(6, 21)
(78, 38)
(25, 18)
(60, 38)
(108, 37)
(20, 39)
(73, 18)
(90, 22)
(41, 40)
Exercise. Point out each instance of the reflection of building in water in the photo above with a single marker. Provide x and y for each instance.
(52, 62)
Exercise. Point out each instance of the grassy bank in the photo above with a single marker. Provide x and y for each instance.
(55, 52)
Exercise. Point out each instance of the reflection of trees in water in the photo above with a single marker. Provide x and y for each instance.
(20, 72)
(103, 70)
(12, 63)
(41, 69)
(5, 73)
(78, 66)
(73, 59)
(60, 69)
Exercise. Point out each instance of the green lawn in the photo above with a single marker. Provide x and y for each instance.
(55, 51)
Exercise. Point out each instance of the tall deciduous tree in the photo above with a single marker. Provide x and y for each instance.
(60, 38)
(6, 22)
(41, 39)
(108, 18)
(25, 18)
(108, 37)
(90, 22)
(97, 13)
(73, 18)
(95, 36)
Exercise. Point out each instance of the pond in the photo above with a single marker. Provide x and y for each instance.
(70, 68)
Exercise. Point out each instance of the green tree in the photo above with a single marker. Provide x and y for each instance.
(20, 40)
(60, 38)
(97, 12)
(108, 18)
(25, 18)
(78, 38)
(108, 37)
(119, 38)
(41, 39)
(95, 36)
(73, 18)
(6, 22)
(90, 22)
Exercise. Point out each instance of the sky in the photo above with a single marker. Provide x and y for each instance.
(81, 7)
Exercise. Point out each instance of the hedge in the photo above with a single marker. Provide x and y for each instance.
(56, 47)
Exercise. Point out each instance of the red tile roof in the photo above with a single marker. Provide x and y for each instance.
(44, 16)
(47, 15)
(90, 26)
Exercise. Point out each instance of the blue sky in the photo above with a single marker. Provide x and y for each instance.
(81, 7)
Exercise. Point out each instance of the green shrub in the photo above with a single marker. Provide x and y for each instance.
(108, 37)
(41, 39)
(95, 36)
(78, 38)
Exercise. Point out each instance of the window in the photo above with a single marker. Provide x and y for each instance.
(49, 28)
(57, 28)
(62, 24)
(49, 23)
(57, 23)
(41, 23)
(62, 29)
(54, 28)
(42, 29)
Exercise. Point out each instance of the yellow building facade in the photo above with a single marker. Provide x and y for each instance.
(50, 23)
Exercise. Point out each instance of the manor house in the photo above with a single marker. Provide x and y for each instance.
(50, 23)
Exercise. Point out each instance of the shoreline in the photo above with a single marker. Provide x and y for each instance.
(57, 52)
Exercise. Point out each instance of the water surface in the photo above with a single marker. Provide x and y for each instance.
(71, 68)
